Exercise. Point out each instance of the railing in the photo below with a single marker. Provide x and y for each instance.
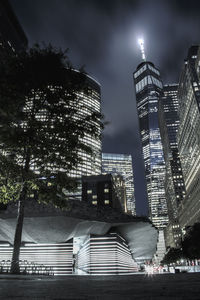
(27, 267)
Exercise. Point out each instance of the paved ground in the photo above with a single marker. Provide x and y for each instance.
(134, 287)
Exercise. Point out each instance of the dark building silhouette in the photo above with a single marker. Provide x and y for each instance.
(12, 36)
(102, 191)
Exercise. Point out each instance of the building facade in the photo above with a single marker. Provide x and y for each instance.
(86, 102)
(89, 102)
(121, 164)
(174, 183)
(106, 255)
(102, 191)
(149, 89)
(189, 137)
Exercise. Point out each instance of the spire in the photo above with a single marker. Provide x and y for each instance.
(141, 44)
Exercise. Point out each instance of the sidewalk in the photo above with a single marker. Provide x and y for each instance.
(182, 286)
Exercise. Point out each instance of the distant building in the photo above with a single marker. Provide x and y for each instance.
(101, 191)
(174, 183)
(121, 191)
(189, 137)
(149, 89)
(12, 36)
(121, 164)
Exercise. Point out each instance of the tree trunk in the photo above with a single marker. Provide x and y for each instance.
(15, 268)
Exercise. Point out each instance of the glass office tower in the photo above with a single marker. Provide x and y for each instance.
(169, 123)
(148, 88)
(88, 101)
(174, 183)
(121, 164)
(189, 137)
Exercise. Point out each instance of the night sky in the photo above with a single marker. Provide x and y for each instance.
(102, 36)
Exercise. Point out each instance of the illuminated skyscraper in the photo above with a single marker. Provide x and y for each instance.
(148, 88)
(174, 183)
(121, 164)
(189, 137)
(86, 102)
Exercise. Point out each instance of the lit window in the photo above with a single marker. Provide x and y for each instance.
(106, 190)
(94, 202)
(94, 197)
(89, 191)
(106, 201)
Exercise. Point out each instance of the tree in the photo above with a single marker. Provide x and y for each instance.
(191, 242)
(172, 256)
(40, 134)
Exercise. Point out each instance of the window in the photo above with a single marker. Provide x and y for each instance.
(89, 191)
(106, 190)
(106, 201)
(94, 202)
(94, 197)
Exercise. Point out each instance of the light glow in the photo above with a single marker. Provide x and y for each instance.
(141, 44)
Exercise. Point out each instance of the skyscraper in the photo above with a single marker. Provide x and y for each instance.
(148, 88)
(121, 164)
(189, 137)
(174, 183)
(86, 102)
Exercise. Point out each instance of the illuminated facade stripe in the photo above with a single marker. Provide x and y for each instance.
(57, 256)
(106, 255)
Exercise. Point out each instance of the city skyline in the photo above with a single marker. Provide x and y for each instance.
(111, 53)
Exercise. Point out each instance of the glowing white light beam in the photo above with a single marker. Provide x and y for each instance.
(141, 43)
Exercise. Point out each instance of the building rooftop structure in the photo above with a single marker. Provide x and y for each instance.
(44, 224)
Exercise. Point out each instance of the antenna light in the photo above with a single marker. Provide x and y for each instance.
(141, 44)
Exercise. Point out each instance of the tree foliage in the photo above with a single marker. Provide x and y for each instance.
(40, 134)
(191, 242)
(190, 246)
(38, 125)
(172, 256)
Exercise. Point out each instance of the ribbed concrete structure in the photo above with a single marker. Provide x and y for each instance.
(47, 225)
